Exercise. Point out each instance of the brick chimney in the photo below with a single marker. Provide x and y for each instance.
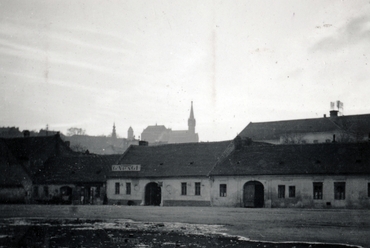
(333, 113)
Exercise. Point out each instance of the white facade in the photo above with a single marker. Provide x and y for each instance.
(171, 193)
(355, 195)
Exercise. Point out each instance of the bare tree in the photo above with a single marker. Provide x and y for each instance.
(292, 138)
(78, 148)
(75, 131)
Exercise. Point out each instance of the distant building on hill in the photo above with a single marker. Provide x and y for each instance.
(104, 145)
(10, 132)
(159, 134)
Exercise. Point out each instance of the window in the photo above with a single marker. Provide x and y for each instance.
(183, 189)
(117, 189)
(197, 188)
(46, 191)
(128, 188)
(317, 191)
(223, 190)
(281, 191)
(340, 191)
(291, 191)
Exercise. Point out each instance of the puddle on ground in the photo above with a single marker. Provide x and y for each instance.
(16, 232)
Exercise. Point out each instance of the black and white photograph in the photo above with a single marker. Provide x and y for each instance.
(213, 123)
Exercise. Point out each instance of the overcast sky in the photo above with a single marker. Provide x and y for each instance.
(89, 64)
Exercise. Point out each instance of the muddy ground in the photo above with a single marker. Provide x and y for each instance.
(123, 226)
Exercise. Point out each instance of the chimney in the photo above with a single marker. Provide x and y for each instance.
(324, 115)
(333, 113)
(143, 143)
(333, 138)
(26, 133)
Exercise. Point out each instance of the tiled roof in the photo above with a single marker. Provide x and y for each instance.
(188, 159)
(354, 123)
(76, 169)
(324, 158)
(36, 150)
(273, 130)
(37, 147)
(12, 172)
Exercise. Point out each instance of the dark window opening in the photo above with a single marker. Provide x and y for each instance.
(340, 191)
(223, 190)
(97, 192)
(291, 191)
(197, 188)
(281, 191)
(183, 188)
(117, 189)
(128, 188)
(317, 191)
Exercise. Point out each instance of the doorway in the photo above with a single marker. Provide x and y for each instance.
(253, 195)
(153, 194)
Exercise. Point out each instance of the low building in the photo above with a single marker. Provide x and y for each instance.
(77, 179)
(165, 175)
(328, 175)
(15, 182)
(21, 159)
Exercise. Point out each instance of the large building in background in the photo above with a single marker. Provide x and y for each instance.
(159, 134)
(335, 128)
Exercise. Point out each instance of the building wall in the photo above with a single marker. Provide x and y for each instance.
(51, 193)
(170, 191)
(356, 191)
(12, 194)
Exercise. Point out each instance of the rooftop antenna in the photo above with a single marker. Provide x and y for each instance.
(340, 108)
(338, 105)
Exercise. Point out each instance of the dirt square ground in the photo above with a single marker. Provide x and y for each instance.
(139, 226)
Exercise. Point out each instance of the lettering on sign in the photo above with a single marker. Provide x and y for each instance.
(126, 167)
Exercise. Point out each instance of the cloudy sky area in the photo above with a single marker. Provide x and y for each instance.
(89, 64)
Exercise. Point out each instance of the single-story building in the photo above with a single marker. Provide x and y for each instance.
(15, 182)
(79, 179)
(164, 175)
(327, 175)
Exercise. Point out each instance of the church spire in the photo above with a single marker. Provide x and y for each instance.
(191, 120)
(114, 134)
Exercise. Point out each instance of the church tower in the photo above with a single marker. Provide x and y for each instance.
(114, 134)
(191, 120)
(130, 134)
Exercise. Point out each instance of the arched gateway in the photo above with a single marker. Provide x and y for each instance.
(253, 195)
(153, 194)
